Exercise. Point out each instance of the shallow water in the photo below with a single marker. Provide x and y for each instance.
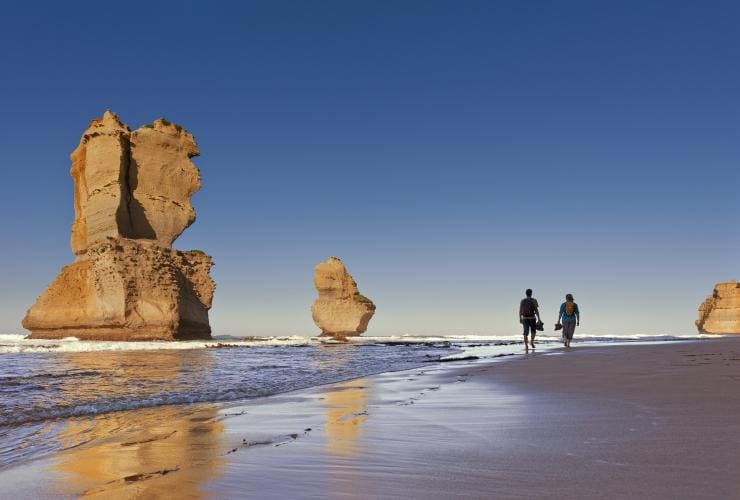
(46, 386)
(423, 432)
(38, 389)
(39, 386)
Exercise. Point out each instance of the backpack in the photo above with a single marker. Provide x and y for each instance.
(570, 308)
(528, 308)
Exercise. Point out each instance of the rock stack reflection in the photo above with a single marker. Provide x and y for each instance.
(166, 451)
(346, 410)
(346, 403)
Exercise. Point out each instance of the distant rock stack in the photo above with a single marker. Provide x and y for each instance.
(720, 313)
(340, 311)
(132, 200)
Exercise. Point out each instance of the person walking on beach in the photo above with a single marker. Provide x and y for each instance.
(529, 316)
(571, 317)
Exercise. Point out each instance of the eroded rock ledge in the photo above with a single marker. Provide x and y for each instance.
(720, 312)
(132, 200)
(340, 311)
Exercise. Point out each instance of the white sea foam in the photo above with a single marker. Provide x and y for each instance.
(11, 337)
(13, 343)
(17, 343)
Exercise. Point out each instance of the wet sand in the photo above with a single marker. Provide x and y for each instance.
(628, 421)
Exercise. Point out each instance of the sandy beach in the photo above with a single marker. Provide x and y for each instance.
(614, 421)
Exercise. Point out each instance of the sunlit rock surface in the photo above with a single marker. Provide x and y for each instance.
(720, 313)
(100, 166)
(340, 310)
(132, 200)
(160, 209)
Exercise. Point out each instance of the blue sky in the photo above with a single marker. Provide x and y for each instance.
(451, 153)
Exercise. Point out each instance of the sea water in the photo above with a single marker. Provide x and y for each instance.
(46, 384)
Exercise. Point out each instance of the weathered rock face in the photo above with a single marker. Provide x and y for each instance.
(340, 310)
(132, 200)
(127, 290)
(100, 166)
(161, 209)
(720, 313)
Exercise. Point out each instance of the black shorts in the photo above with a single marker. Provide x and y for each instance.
(530, 324)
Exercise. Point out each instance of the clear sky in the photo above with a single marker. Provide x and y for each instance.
(451, 153)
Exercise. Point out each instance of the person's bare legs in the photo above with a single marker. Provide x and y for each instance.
(532, 341)
(526, 343)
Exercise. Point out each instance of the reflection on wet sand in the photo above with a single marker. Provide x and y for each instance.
(345, 413)
(346, 404)
(346, 410)
(181, 451)
(154, 452)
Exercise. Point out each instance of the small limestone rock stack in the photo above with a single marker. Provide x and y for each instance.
(720, 313)
(340, 311)
(132, 200)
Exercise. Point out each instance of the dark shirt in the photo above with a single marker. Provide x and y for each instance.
(534, 309)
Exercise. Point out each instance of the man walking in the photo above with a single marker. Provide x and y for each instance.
(529, 315)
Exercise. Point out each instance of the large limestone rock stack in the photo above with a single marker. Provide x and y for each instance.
(720, 313)
(340, 311)
(132, 200)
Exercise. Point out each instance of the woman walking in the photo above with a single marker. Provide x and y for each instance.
(571, 317)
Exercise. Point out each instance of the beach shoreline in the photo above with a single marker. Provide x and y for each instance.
(616, 421)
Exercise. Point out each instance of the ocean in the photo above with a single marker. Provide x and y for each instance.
(46, 386)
